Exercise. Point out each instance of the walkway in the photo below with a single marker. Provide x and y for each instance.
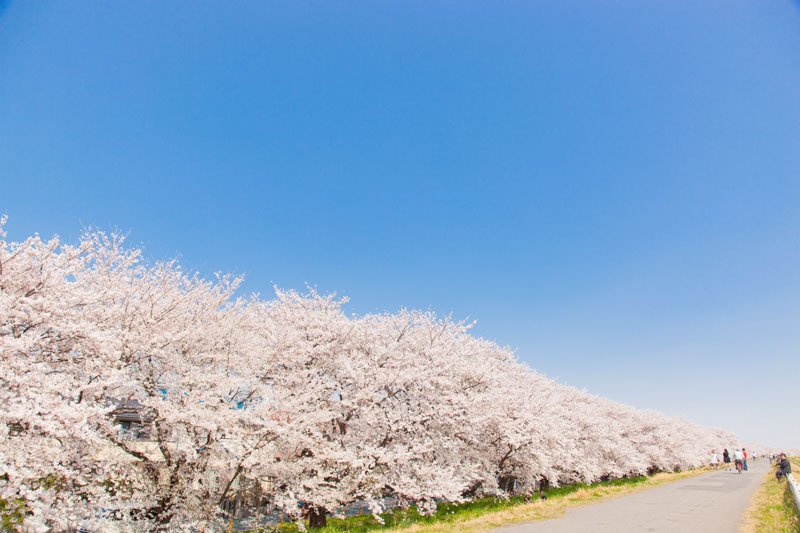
(711, 503)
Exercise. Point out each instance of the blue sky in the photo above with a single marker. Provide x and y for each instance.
(610, 188)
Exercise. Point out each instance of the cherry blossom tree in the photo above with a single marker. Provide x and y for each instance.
(320, 408)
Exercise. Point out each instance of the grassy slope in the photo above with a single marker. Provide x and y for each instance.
(488, 513)
(772, 509)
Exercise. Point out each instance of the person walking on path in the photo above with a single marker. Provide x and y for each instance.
(726, 457)
(737, 460)
(714, 459)
(784, 467)
(744, 459)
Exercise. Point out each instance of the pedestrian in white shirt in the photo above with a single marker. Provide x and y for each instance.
(737, 459)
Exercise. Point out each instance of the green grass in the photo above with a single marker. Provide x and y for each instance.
(449, 517)
(449, 512)
(773, 509)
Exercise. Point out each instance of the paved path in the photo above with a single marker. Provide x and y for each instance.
(709, 503)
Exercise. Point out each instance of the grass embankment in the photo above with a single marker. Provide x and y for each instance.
(772, 509)
(487, 513)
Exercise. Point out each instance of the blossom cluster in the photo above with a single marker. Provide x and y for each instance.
(320, 408)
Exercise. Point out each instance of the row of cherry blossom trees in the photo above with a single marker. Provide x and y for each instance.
(321, 407)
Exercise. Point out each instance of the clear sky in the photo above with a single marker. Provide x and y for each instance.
(610, 188)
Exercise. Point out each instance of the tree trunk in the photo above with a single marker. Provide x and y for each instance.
(317, 517)
(162, 513)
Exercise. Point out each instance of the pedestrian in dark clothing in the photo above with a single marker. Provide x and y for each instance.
(726, 457)
(784, 467)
